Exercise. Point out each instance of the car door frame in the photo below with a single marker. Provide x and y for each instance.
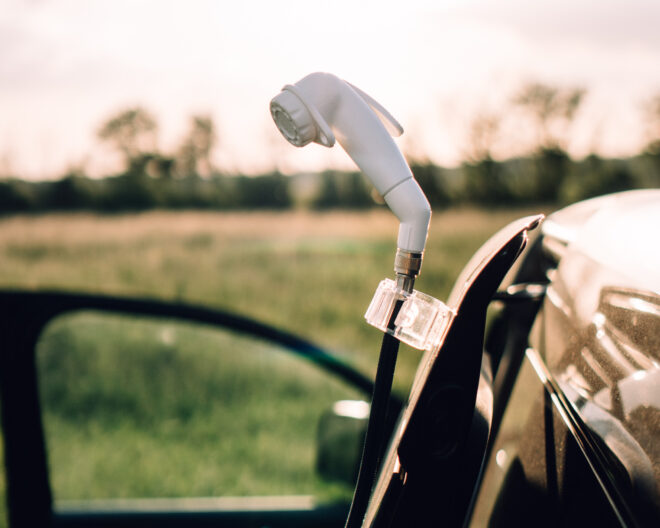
(24, 315)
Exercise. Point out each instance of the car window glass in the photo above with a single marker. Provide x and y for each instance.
(142, 407)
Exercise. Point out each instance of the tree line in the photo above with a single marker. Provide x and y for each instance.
(187, 178)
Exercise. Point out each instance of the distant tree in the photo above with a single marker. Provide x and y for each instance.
(652, 149)
(160, 166)
(329, 195)
(344, 190)
(268, 191)
(194, 157)
(132, 132)
(595, 176)
(74, 191)
(552, 112)
(431, 180)
(129, 192)
(151, 164)
(16, 196)
(484, 131)
(484, 177)
(357, 192)
(652, 111)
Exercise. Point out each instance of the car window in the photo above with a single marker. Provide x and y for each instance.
(143, 408)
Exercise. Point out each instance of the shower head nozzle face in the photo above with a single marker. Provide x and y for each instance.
(293, 119)
(299, 120)
(286, 125)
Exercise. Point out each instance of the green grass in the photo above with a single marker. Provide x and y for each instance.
(151, 408)
(147, 411)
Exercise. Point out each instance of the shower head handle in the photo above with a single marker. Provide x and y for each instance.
(325, 109)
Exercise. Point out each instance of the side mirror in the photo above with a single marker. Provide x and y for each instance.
(340, 438)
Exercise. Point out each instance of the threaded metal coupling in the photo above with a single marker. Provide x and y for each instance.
(407, 263)
(407, 266)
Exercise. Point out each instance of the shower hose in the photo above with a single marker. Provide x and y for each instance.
(375, 441)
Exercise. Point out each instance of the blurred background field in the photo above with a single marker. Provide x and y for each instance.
(310, 273)
(150, 408)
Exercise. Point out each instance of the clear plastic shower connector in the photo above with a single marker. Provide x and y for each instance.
(421, 322)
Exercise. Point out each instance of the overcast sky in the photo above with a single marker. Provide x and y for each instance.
(67, 65)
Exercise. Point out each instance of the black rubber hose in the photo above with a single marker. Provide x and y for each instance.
(374, 442)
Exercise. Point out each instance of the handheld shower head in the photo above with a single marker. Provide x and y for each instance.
(322, 108)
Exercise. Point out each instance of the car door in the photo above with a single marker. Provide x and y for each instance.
(121, 412)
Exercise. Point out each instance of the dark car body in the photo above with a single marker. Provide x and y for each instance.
(577, 414)
(554, 422)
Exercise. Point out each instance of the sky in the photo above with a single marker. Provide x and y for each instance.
(66, 66)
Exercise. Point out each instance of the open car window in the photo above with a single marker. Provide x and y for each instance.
(149, 408)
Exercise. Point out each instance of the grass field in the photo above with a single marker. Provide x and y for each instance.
(146, 412)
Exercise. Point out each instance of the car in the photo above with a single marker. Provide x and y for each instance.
(565, 422)
(577, 415)
(550, 417)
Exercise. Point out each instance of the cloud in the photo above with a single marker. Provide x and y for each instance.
(600, 23)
